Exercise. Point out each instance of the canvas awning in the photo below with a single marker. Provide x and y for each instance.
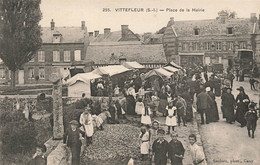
(158, 72)
(174, 65)
(133, 65)
(171, 69)
(84, 77)
(110, 70)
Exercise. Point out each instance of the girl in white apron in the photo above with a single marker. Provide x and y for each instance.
(86, 121)
(171, 120)
(139, 106)
(145, 142)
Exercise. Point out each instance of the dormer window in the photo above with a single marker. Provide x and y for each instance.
(56, 38)
(196, 31)
(229, 30)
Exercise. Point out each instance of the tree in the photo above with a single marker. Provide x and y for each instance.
(20, 33)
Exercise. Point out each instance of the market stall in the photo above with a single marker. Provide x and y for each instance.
(80, 83)
(133, 65)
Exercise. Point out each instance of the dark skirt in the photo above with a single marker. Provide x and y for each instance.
(240, 115)
(189, 113)
(130, 101)
(162, 106)
(228, 112)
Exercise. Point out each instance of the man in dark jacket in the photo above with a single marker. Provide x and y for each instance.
(159, 148)
(203, 102)
(175, 150)
(72, 138)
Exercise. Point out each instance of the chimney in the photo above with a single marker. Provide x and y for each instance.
(52, 24)
(106, 32)
(96, 33)
(83, 25)
(259, 21)
(223, 16)
(171, 22)
(90, 34)
(124, 30)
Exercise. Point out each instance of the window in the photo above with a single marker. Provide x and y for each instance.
(220, 60)
(66, 56)
(184, 46)
(196, 31)
(77, 55)
(56, 56)
(195, 46)
(218, 45)
(41, 73)
(207, 45)
(230, 45)
(41, 56)
(229, 30)
(242, 45)
(31, 73)
(2, 73)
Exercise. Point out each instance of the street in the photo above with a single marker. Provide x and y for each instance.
(229, 143)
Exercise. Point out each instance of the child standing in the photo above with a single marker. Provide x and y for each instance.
(171, 120)
(197, 153)
(146, 119)
(39, 157)
(154, 103)
(86, 120)
(139, 107)
(175, 150)
(145, 142)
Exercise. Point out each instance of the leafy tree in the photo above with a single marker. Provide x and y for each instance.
(20, 33)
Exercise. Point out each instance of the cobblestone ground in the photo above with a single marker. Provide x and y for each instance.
(228, 143)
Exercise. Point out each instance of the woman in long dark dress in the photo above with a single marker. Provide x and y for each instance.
(228, 104)
(214, 117)
(131, 101)
(242, 101)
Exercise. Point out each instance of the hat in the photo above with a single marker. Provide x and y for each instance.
(74, 122)
(228, 88)
(208, 89)
(240, 88)
(161, 131)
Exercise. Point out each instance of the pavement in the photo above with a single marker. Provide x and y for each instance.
(229, 143)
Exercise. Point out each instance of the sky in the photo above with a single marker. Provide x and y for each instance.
(72, 12)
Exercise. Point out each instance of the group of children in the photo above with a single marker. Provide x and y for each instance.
(153, 144)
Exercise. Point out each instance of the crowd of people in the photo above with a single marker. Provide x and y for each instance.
(175, 99)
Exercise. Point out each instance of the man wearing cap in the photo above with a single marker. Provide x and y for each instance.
(203, 104)
(159, 148)
(228, 105)
(72, 138)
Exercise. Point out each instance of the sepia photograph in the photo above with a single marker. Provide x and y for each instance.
(129, 82)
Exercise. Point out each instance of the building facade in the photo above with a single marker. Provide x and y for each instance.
(209, 41)
(61, 47)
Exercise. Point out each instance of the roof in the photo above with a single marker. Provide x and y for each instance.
(111, 37)
(191, 54)
(133, 65)
(84, 77)
(68, 34)
(110, 70)
(213, 27)
(101, 54)
(157, 37)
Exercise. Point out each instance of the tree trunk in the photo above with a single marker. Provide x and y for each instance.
(13, 79)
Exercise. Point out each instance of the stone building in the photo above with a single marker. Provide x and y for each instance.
(209, 41)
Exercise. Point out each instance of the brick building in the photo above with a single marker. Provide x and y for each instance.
(61, 47)
(209, 41)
